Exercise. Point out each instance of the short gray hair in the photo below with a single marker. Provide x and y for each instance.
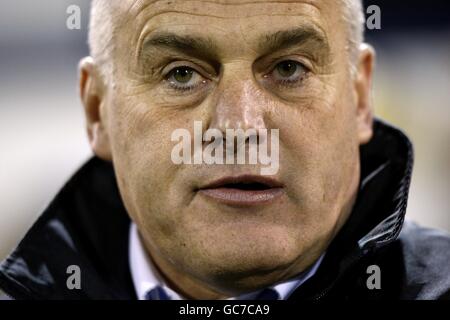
(354, 16)
(100, 35)
(102, 30)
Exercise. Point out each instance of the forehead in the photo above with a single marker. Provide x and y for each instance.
(227, 19)
(222, 8)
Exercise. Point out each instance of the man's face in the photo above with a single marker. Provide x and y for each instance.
(262, 64)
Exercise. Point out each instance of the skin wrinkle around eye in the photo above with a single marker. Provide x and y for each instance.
(301, 73)
(311, 84)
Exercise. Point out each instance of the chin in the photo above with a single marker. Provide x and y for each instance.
(239, 259)
(247, 275)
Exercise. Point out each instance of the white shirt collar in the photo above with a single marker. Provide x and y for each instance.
(146, 277)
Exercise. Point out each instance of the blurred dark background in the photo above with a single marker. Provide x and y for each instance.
(42, 136)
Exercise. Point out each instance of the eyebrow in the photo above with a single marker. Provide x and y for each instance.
(191, 45)
(305, 35)
(206, 48)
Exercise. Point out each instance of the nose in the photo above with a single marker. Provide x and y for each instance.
(239, 104)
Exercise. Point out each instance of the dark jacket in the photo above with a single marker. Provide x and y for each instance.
(87, 225)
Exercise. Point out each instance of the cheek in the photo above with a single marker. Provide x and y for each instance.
(141, 144)
(320, 150)
(322, 156)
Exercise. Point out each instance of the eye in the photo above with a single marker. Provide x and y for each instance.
(184, 78)
(289, 72)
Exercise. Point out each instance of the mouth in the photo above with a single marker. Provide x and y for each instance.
(245, 190)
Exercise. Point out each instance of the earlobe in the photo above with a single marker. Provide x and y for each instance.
(92, 98)
(364, 78)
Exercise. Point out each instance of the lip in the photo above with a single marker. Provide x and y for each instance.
(223, 191)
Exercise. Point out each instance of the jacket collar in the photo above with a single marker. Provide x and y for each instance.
(379, 211)
(87, 225)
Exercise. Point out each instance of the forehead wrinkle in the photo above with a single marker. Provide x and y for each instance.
(138, 8)
(222, 17)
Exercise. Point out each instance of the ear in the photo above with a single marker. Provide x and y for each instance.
(363, 91)
(92, 97)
